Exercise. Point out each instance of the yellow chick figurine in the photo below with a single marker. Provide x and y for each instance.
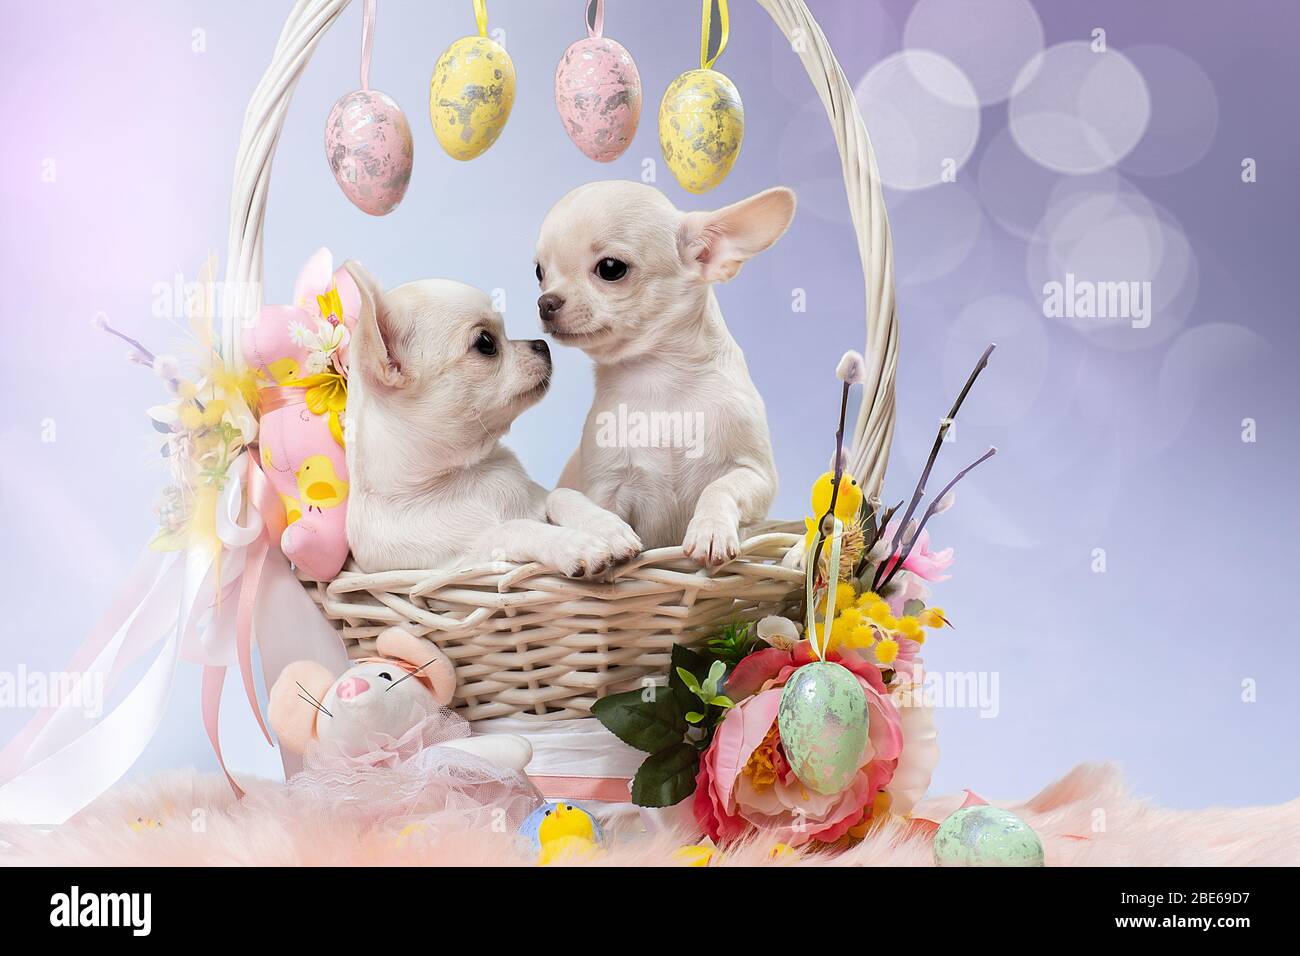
(847, 504)
(318, 486)
(565, 832)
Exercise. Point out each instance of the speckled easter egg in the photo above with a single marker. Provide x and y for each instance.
(701, 124)
(598, 94)
(470, 96)
(368, 145)
(823, 724)
(986, 836)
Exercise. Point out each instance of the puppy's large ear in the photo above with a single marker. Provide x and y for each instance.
(375, 348)
(436, 668)
(718, 243)
(292, 717)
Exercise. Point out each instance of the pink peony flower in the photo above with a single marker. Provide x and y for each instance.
(922, 562)
(744, 781)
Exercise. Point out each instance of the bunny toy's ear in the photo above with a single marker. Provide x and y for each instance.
(292, 716)
(436, 668)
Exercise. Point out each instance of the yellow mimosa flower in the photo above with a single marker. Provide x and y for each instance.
(933, 617)
(213, 412)
(851, 616)
(868, 598)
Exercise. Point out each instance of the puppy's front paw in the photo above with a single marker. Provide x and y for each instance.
(618, 536)
(581, 555)
(711, 542)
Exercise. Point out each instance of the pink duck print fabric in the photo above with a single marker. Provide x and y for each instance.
(299, 353)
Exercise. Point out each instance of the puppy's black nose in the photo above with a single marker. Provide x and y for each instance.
(539, 345)
(548, 305)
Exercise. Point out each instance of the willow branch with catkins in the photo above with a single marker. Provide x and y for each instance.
(879, 579)
(850, 371)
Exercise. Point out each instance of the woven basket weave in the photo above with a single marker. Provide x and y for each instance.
(525, 640)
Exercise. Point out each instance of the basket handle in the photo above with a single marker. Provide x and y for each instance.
(874, 430)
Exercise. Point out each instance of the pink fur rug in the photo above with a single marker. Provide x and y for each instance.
(1087, 818)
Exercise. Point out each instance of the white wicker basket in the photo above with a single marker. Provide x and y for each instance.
(527, 641)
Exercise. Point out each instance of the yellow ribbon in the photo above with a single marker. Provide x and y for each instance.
(820, 643)
(706, 27)
(480, 14)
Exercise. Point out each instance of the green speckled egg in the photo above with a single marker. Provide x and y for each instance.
(986, 836)
(823, 724)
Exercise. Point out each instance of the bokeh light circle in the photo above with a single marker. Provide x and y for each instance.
(1184, 112)
(1202, 363)
(923, 117)
(1114, 267)
(1017, 326)
(990, 41)
(1077, 111)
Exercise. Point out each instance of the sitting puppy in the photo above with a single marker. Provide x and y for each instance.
(433, 384)
(628, 278)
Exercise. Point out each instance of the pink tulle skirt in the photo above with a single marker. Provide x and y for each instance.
(414, 779)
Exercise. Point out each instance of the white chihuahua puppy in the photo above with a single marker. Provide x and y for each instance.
(433, 384)
(628, 278)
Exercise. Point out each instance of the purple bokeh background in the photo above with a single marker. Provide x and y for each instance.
(116, 174)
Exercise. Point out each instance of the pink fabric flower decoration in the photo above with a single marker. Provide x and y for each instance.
(922, 562)
(730, 802)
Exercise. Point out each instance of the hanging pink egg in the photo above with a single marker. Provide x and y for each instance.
(598, 94)
(368, 145)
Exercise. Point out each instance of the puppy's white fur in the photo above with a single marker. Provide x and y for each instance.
(660, 345)
(430, 483)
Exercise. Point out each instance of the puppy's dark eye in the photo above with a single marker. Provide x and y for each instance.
(485, 344)
(538, 269)
(385, 675)
(611, 270)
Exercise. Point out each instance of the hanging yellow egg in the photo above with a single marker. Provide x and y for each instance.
(701, 125)
(470, 96)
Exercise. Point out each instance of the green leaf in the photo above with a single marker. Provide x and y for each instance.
(693, 664)
(732, 642)
(666, 777)
(710, 686)
(694, 717)
(722, 701)
(646, 725)
(690, 680)
(914, 606)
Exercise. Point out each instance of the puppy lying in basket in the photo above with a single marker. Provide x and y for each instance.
(629, 279)
(433, 385)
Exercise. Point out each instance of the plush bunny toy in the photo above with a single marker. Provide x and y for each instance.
(379, 704)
